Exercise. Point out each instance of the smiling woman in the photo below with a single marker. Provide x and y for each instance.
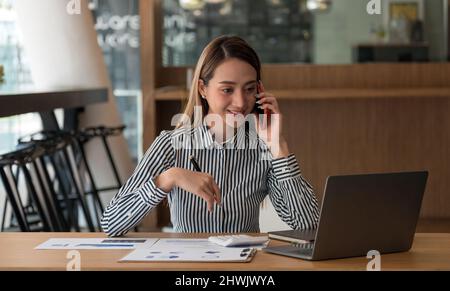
(239, 173)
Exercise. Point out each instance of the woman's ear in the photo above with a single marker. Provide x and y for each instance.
(201, 87)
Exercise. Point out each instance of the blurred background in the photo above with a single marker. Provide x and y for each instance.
(362, 92)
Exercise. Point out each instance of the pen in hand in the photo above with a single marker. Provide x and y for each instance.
(195, 164)
(197, 168)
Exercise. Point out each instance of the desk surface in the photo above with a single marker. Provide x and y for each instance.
(429, 252)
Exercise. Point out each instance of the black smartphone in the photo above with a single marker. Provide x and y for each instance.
(256, 109)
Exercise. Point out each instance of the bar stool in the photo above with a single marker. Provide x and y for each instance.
(45, 163)
(78, 139)
(60, 157)
(103, 133)
(12, 193)
(24, 157)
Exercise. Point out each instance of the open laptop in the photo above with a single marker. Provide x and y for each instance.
(361, 213)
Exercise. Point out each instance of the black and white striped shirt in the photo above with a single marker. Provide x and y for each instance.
(242, 167)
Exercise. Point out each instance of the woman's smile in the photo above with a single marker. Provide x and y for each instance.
(236, 112)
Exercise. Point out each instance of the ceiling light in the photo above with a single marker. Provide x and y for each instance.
(192, 4)
(318, 5)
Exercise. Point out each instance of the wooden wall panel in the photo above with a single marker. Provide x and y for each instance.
(333, 137)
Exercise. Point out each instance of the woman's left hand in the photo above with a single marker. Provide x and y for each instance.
(269, 127)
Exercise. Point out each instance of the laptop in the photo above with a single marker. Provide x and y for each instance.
(361, 213)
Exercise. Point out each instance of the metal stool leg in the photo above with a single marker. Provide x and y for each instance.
(66, 179)
(96, 201)
(64, 192)
(33, 195)
(111, 161)
(51, 195)
(14, 199)
(5, 210)
(79, 191)
(45, 191)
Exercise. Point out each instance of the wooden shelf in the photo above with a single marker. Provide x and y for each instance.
(178, 94)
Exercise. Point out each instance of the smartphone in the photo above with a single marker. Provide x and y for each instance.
(256, 109)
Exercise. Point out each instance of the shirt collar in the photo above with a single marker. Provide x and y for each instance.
(237, 141)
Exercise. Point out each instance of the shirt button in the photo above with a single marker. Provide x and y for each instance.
(130, 214)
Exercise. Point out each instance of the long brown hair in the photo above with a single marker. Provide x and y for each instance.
(217, 51)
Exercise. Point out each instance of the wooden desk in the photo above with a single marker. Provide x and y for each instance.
(429, 252)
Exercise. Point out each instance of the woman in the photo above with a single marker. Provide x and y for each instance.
(223, 158)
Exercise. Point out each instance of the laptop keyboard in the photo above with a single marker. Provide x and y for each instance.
(303, 245)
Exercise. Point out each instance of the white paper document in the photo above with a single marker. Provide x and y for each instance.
(96, 243)
(189, 250)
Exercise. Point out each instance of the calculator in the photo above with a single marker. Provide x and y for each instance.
(238, 240)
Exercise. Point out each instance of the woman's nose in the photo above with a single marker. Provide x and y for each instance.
(239, 99)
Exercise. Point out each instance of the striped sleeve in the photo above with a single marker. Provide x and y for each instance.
(139, 195)
(291, 195)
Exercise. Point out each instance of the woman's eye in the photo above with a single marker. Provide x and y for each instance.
(227, 91)
(251, 89)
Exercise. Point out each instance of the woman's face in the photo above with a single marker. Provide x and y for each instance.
(232, 90)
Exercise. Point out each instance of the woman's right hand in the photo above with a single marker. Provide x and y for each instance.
(200, 184)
